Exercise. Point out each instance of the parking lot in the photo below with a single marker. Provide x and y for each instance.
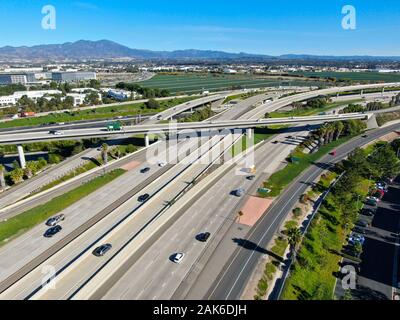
(378, 271)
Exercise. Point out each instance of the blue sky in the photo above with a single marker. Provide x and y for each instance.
(254, 26)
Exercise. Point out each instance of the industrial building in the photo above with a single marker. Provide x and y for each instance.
(72, 76)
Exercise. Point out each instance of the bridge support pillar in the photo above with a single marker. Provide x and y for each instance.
(362, 92)
(372, 123)
(249, 133)
(21, 155)
(146, 140)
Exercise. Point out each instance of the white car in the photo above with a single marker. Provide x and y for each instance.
(178, 257)
(161, 164)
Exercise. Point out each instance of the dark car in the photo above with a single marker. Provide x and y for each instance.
(203, 237)
(365, 136)
(362, 223)
(368, 212)
(52, 231)
(275, 142)
(102, 250)
(145, 170)
(251, 178)
(144, 197)
(359, 230)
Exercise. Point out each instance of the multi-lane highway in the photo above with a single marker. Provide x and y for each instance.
(75, 266)
(232, 279)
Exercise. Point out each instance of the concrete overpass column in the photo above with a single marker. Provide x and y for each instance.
(249, 133)
(146, 140)
(21, 155)
(362, 92)
(372, 123)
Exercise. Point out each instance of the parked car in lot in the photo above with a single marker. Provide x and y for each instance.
(145, 170)
(144, 197)
(203, 237)
(356, 238)
(55, 220)
(178, 257)
(102, 250)
(368, 212)
(52, 231)
(362, 223)
(359, 230)
(371, 202)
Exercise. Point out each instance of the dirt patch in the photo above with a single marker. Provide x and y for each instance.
(131, 165)
(253, 210)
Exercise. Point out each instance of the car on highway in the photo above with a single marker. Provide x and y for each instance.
(178, 257)
(203, 237)
(145, 170)
(251, 178)
(55, 220)
(275, 142)
(102, 250)
(52, 231)
(238, 192)
(144, 197)
(333, 153)
(56, 132)
(161, 164)
(365, 136)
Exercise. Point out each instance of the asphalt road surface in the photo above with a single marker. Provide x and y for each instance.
(231, 282)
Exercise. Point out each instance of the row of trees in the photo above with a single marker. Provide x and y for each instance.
(330, 132)
(145, 92)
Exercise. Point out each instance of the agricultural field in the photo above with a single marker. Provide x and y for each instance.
(354, 76)
(194, 83)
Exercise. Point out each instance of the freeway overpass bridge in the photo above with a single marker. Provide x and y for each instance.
(20, 138)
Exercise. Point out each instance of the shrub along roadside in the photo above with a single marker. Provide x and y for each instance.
(28, 219)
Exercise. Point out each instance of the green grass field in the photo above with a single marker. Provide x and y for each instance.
(28, 219)
(311, 111)
(193, 83)
(354, 76)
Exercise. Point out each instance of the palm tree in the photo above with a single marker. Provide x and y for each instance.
(339, 129)
(294, 237)
(2, 179)
(104, 152)
(17, 175)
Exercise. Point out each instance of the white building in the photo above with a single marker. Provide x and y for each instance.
(230, 71)
(34, 95)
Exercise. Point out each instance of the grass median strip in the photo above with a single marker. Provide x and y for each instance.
(32, 217)
(279, 180)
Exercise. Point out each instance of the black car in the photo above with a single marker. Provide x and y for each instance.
(144, 170)
(52, 231)
(144, 197)
(203, 237)
(359, 230)
(102, 250)
(275, 142)
(362, 223)
(251, 178)
(365, 136)
(368, 212)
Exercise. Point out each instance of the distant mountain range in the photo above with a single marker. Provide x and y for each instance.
(105, 49)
